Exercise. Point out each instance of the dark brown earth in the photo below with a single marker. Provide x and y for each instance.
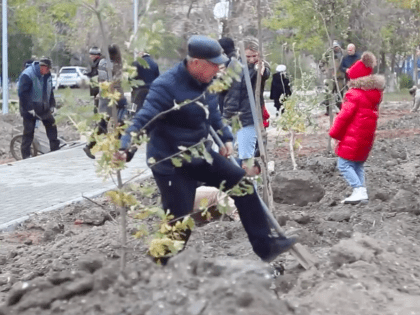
(11, 125)
(67, 261)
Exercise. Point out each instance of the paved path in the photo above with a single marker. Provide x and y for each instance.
(53, 180)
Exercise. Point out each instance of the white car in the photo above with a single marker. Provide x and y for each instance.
(54, 80)
(72, 77)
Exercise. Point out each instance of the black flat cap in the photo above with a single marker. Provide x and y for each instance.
(227, 44)
(95, 51)
(45, 61)
(203, 47)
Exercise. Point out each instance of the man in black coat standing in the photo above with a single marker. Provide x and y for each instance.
(280, 86)
(350, 59)
(145, 74)
(95, 56)
(228, 46)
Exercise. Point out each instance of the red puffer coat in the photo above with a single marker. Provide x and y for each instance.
(355, 125)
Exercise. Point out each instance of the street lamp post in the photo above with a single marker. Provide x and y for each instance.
(5, 77)
(136, 15)
(221, 13)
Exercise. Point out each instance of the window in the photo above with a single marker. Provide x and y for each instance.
(68, 70)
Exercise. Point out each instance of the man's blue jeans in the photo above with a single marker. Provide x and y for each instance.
(353, 172)
(247, 140)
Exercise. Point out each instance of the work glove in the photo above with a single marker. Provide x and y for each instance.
(32, 112)
(129, 153)
(52, 110)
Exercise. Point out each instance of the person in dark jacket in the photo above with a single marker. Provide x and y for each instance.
(350, 59)
(187, 126)
(228, 46)
(36, 101)
(237, 102)
(147, 75)
(280, 86)
(95, 56)
(116, 78)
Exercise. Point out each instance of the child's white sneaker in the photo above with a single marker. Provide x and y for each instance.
(359, 195)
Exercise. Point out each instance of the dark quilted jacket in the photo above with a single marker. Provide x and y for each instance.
(237, 101)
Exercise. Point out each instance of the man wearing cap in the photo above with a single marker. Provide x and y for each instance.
(36, 101)
(187, 126)
(95, 57)
(334, 75)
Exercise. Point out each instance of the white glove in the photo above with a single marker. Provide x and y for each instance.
(52, 110)
(32, 112)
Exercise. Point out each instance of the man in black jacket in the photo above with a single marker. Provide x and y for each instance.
(228, 46)
(280, 86)
(188, 126)
(95, 56)
(145, 74)
(350, 59)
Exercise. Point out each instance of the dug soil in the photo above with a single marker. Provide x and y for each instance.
(68, 261)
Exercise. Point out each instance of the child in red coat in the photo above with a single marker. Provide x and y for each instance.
(355, 125)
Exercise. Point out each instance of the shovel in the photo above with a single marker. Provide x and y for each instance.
(302, 255)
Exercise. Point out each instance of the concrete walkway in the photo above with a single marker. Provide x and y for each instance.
(54, 180)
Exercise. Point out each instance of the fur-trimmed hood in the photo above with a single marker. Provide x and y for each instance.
(369, 82)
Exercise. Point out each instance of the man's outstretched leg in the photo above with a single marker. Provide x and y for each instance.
(177, 194)
(249, 206)
(258, 228)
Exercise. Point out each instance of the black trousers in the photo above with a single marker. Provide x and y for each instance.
(28, 134)
(178, 194)
(138, 96)
(102, 126)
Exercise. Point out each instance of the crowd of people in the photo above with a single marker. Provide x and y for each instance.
(353, 128)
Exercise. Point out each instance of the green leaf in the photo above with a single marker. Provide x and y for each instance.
(177, 162)
(208, 157)
(187, 157)
(143, 62)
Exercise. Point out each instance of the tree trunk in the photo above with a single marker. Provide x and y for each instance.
(383, 66)
(114, 117)
(415, 73)
(123, 214)
(292, 149)
(267, 196)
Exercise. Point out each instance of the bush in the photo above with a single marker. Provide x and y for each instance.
(406, 81)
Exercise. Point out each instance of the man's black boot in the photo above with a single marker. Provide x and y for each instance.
(277, 246)
(88, 153)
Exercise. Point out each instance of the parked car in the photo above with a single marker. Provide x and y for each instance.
(72, 77)
(54, 80)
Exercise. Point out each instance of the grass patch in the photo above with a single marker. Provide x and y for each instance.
(400, 96)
